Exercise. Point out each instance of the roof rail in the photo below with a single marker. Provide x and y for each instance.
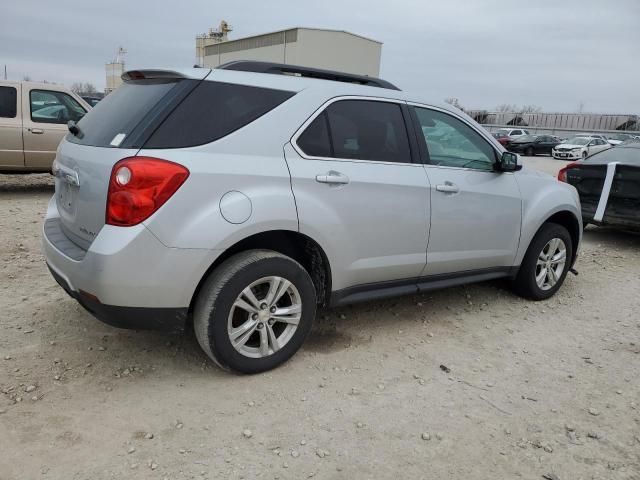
(296, 70)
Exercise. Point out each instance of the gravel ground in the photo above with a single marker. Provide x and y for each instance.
(465, 383)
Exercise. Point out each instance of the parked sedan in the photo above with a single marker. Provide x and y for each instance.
(618, 138)
(532, 145)
(609, 186)
(501, 137)
(579, 147)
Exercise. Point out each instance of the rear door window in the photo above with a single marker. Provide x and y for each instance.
(212, 111)
(359, 130)
(8, 102)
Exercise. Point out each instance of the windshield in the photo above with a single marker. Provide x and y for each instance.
(578, 141)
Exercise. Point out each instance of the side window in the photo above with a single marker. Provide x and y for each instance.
(516, 132)
(368, 130)
(48, 106)
(315, 140)
(453, 143)
(8, 102)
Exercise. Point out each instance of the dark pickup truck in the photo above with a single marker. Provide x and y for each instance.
(609, 186)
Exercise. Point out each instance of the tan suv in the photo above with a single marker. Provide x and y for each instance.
(33, 120)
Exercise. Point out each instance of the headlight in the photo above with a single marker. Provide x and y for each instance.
(576, 149)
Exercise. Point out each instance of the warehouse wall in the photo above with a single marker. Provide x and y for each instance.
(339, 51)
(308, 48)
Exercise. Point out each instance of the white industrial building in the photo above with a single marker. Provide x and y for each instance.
(307, 47)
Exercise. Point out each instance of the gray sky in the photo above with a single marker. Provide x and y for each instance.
(551, 53)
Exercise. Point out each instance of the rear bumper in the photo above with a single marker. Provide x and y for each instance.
(137, 318)
(127, 277)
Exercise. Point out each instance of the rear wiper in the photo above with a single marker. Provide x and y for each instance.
(73, 128)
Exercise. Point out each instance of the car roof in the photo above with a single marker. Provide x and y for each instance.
(329, 88)
(38, 85)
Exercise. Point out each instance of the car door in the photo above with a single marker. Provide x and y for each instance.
(46, 113)
(11, 148)
(475, 211)
(544, 144)
(601, 145)
(361, 191)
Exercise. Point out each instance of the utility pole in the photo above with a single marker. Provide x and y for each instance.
(5, 71)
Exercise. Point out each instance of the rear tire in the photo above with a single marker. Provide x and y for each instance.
(539, 276)
(235, 312)
(530, 152)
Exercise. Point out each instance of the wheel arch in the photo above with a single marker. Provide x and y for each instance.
(296, 245)
(569, 221)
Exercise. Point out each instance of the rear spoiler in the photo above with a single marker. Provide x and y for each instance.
(156, 74)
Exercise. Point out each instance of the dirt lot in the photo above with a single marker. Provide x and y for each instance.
(530, 389)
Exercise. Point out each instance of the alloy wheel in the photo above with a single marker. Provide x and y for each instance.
(264, 317)
(551, 263)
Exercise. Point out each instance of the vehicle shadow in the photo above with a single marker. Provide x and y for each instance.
(136, 353)
(626, 238)
(26, 183)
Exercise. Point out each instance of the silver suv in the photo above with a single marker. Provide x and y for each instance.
(245, 197)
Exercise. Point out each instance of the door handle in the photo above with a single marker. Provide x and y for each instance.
(448, 187)
(332, 177)
(37, 131)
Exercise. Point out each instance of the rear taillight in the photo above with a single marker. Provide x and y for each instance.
(139, 186)
(562, 174)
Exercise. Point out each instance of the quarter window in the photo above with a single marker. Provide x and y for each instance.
(360, 130)
(315, 140)
(48, 106)
(8, 102)
(452, 143)
(212, 111)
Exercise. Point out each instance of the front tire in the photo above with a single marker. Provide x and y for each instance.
(530, 152)
(254, 311)
(546, 263)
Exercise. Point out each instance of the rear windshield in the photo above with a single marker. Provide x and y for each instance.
(173, 114)
(112, 121)
(629, 155)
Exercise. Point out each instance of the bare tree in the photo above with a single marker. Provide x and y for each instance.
(89, 88)
(83, 88)
(506, 107)
(530, 109)
(454, 102)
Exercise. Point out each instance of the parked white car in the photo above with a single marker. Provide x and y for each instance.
(579, 147)
(592, 135)
(618, 138)
(513, 132)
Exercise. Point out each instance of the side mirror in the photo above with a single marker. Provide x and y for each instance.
(509, 162)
